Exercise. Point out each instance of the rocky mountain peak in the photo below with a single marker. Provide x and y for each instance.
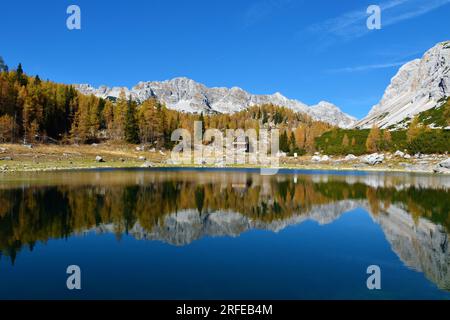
(328, 112)
(418, 86)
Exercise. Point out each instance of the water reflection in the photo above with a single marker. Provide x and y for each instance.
(179, 207)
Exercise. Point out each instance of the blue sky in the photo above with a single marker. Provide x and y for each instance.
(307, 50)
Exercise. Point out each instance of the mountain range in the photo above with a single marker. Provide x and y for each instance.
(187, 95)
(418, 86)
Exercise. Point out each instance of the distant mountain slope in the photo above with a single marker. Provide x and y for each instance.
(419, 85)
(186, 95)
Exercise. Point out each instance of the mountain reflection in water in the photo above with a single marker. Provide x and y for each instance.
(180, 207)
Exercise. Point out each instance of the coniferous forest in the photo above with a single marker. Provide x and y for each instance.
(37, 111)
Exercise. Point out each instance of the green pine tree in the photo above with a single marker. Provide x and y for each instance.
(3, 66)
(292, 144)
(284, 142)
(21, 78)
(131, 124)
(202, 120)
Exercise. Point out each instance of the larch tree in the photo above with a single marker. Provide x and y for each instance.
(374, 139)
(414, 130)
(387, 139)
(32, 111)
(108, 117)
(86, 123)
(120, 116)
(147, 121)
(345, 141)
(6, 128)
(300, 137)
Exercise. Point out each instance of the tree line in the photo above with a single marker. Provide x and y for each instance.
(417, 138)
(79, 207)
(33, 110)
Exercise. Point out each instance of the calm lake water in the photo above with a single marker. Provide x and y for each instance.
(233, 234)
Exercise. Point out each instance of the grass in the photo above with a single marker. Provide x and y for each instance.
(55, 157)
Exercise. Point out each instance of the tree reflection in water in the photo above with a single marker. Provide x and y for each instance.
(179, 207)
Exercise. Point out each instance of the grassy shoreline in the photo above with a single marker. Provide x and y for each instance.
(16, 158)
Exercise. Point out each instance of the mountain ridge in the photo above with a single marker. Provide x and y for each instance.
(418, 86)
(186, 95)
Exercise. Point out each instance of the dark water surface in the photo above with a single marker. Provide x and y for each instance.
(208, 234)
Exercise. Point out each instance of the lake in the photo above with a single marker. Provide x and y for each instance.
(224, 234)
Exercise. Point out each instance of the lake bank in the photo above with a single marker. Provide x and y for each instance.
(19, 158)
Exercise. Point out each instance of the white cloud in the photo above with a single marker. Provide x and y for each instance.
(367, 67)
(352, 24)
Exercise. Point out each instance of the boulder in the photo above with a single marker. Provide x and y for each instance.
(374, 159)
(99, 159)
(142, 158)
(442, 170)
(141, 148)
(443, 167)
(148, 164)
(406, 156)
(316, 159)
(445, 163)
(399, 154)
(2, 150)
(350, 157)
(6, 159)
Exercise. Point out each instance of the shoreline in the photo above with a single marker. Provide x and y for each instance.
(15, 159)
(323, 168)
